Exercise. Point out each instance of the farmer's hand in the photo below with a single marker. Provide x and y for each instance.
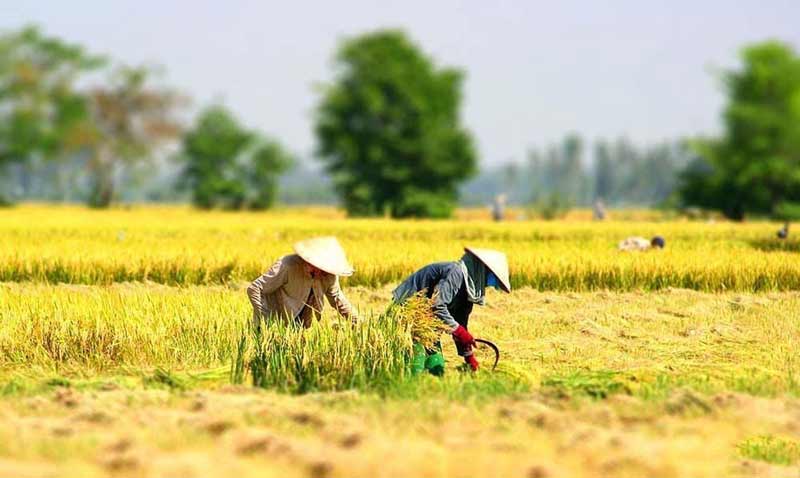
(472, 362)
(462, 335)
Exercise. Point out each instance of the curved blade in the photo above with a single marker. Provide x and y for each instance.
(493, 347)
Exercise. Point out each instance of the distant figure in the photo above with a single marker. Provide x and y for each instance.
(499, 207)
(599, 210)
(783, 232)
(636, 243)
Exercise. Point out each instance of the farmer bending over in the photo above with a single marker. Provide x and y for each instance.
(635, 243)
(294, 286)
(456, 287)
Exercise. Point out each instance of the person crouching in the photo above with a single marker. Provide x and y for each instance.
(294, 287)
(455, 288)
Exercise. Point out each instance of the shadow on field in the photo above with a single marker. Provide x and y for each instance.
(776, 245)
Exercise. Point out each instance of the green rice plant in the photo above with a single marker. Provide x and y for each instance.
(287, 357)
(100, 328)
(771, 449)
(373, 353)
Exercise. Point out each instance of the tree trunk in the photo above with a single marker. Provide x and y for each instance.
(735, 212)
(5, 184)
(102, 170)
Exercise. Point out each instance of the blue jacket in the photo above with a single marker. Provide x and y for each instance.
(445, 279)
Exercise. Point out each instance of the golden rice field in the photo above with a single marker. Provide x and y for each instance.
(178, 246)
(125, 351)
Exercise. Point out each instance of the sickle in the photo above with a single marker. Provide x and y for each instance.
(493, 347)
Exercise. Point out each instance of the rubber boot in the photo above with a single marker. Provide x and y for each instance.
(418, 357)
(434, 363)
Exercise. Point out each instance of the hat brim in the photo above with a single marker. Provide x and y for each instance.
(502, 278)
(326, 254)
(327, 269)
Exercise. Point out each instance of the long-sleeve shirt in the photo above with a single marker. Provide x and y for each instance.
(445, 282)
(287, 291)
(634, 243)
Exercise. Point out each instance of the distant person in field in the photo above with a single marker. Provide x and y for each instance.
(783, 232)
(599, 210)
(456, 287)
(636, 243)
(499, 207)
(294, 287)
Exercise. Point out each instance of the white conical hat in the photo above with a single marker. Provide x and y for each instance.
(324, 253)
(496, 262)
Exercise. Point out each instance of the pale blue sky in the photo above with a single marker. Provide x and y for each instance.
(535, 69)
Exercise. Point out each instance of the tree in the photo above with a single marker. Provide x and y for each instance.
(603, 172)
(266, 162)
(130, 119)
(572, 181)
(41, 113)
(755, 166)
(389, 131)
(229, 166)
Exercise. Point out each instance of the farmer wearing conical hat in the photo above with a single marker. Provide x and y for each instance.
(456, 287)
(636, 243)
(294, 287)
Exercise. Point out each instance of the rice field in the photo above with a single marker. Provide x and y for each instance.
(126, 350)
(178, 246)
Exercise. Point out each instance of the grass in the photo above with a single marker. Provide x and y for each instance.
(597, 384)
(771, 449)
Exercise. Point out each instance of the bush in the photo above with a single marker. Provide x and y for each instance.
(788, 211)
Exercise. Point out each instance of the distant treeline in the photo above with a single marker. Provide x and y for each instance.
(619, 172)
(156, 181)
(573, 173)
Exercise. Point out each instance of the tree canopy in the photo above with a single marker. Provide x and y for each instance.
(229, 166)
(41, 113)
(129, 119)
(755, 166)
(389, 131)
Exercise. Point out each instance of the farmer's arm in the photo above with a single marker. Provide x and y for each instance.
(338, 300)
(268, 283)
(444, 293)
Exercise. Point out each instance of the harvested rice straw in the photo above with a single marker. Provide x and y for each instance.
(417, 311)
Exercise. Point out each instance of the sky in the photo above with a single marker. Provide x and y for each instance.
(536, 70)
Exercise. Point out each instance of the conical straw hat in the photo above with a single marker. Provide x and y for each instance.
(324, 253)
(496, 262)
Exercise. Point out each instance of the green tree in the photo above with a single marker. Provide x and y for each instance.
(263, 165)
(755, 166)
(229, 166)
(41, 113)
(389, 130)
(603, 172)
